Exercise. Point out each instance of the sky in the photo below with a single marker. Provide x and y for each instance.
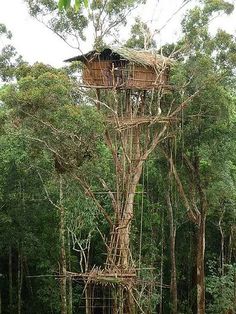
(36, 43)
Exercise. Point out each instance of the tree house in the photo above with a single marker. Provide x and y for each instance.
(124, 68)
(130, 86)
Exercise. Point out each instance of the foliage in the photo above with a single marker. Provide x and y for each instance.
(43, 134)
(65, 4)
(51, 133)
(141, 37)
(71, 24)
(222, 291)
(43, 97)
(9, 58)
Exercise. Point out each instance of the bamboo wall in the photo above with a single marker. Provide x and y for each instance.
(124, 75)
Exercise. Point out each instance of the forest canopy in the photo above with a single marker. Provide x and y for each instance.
(117, 199)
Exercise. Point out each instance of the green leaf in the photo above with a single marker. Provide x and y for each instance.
(77, 5)
(61, 4)
(64, 4)
(86, 3)
(67, 3)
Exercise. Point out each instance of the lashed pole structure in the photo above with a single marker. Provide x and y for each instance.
(130, 86)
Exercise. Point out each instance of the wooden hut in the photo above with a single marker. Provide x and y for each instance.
(124, 68)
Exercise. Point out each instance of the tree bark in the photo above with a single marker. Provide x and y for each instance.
(198, 216)
(234, 290)
(128, 172)
(62, 254)
(201, 266)
(63, 264)
(201, 235)
(173, 283)
(70, 288)
(123, 230)
(222, 255)
(162, 264)
(88, 299)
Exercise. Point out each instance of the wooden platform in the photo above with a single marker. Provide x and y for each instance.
(105, 276)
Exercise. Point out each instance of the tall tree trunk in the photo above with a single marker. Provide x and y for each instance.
(120, 253)
(70, 288)
(201, 236)
(27, 273)
(173, 284)
(62, 253)
(88, 298)
(125, 223)
(10, 278)
(229, 255)
(63, 264)
(162, 264)
(129, 151)
(70, 296)
(198, 217)
(222, 242)
(201, 266)
(234, 290)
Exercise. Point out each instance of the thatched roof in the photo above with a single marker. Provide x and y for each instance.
(141, 57)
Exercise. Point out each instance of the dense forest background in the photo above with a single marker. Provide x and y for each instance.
(52, 141)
